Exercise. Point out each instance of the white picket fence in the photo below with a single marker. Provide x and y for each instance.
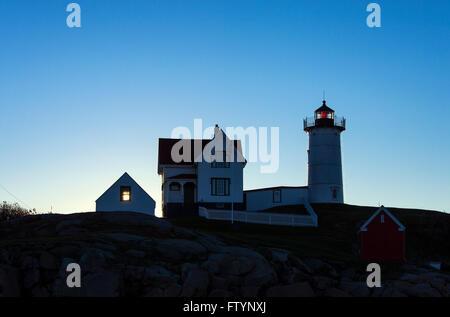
(262, 217)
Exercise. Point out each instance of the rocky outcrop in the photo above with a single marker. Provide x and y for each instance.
(126, 254)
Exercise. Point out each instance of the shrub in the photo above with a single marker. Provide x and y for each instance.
(10, 211)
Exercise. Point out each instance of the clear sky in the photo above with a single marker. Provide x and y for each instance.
(79, 107)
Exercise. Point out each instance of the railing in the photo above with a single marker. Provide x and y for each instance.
(310, 122)
(262, 218)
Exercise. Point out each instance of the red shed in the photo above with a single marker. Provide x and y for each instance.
(382, 238)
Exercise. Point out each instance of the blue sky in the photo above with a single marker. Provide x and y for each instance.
(78, 107)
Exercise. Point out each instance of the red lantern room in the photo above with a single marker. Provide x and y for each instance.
(324, 117)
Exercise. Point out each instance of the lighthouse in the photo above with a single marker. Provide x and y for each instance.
(324, 156)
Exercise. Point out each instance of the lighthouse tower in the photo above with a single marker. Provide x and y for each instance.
(324, 156)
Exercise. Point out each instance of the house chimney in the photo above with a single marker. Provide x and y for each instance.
(216, 130)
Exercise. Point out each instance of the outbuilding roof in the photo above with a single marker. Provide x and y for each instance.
(382, 208)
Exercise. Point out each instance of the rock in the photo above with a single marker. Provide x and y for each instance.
(136, 253)
(423, 290)
(123, 237)
(68, 223)
(4, 257)
(186, 268)
(320, 267)
(172, 290)
(40, 291)
(263, 274)
(31, 277)
(103, 284)
(400, 286)
(180, 250)
(279, 255)
(299, 264)
(159, 275)
(29, 262)
(358, 289)
(438, 283)
(242, 252)
(72, 231)
(105, 246)
(348, 274)
(92, 259)
(322, 282)
(294, 290)
(47, 261)
(334, 292)
(220, 293)
(196, 284)
(219, 283)
(9, 281)
(66, 251)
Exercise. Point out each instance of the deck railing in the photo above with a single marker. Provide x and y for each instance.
(310, 122)
(261, 217)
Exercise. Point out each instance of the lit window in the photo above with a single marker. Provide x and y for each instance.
(125, 193)
(325, 115)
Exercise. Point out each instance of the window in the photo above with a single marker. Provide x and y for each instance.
(125, 193)
(382, 218)
(277, 196)
(220, 164)
(220, 186)
(175, 187)
(324, 115)
(335, 193)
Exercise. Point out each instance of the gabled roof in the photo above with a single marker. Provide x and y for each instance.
(324, 108)
(382, 208)
(126, 178)
(165, 150)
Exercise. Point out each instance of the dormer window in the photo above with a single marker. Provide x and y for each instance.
(125, 193)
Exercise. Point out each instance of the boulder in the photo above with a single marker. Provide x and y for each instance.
(262, 275)
(423, 290)
(68, 223)
(92, 259)
(136, 253)
(31, 278)
(180, 250)
(357, 289)
(47, 261)
(123, 237)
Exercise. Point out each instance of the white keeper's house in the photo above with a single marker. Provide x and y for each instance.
(213, 180)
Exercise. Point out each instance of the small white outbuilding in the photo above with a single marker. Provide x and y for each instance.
(126, 195)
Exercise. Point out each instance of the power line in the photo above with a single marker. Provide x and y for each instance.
(15, 197)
